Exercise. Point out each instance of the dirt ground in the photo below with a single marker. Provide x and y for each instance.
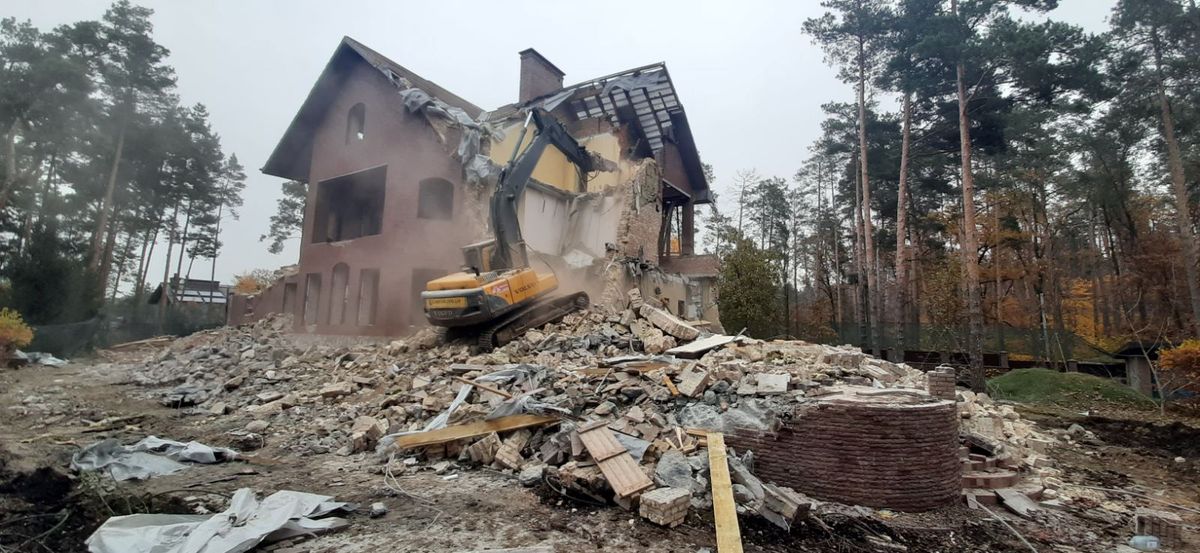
(48, 413)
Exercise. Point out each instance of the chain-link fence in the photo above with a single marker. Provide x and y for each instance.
(67, 340)
(72, 339)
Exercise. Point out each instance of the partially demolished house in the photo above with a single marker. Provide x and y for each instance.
(399, 172)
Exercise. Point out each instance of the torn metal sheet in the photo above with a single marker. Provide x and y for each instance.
(633, 82)
(152, 456)
(241, 527)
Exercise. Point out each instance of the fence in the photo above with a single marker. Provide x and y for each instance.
(1020, 343)
(72, 339)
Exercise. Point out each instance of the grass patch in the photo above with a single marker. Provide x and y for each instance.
(1067, 389)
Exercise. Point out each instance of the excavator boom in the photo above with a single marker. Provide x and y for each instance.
(498, 296)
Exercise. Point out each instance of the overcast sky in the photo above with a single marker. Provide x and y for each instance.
(752, 84)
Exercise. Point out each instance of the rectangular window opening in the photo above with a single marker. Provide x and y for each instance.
(350, 207)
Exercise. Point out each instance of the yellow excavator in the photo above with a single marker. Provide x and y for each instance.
(498, 296)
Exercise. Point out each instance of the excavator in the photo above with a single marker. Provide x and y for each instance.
(498, 296)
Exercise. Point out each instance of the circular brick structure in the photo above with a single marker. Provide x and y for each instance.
(863, 446)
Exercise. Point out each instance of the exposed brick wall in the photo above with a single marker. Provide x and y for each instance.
(699, 265)
(941, 382)
(538, 76)
(881, 455)
(641, 216)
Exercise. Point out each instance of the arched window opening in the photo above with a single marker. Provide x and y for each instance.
(312, 297)
(339, 297)
(435, 199)
(356, 123)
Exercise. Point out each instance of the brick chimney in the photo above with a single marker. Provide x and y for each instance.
(539, 77)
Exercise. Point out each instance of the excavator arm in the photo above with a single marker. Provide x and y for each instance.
(498, 295)
(506, 227)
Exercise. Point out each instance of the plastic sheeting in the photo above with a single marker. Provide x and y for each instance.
(38, 358)
(241, 527)
(477, 168)
(529, 375)
(152, 456)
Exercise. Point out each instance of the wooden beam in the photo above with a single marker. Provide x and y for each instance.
(729, 537)
(484, 387)
(670, 385)
(471, 430)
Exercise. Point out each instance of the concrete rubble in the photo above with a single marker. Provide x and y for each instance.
(354, 399)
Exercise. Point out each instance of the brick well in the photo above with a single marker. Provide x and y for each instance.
(865, 447)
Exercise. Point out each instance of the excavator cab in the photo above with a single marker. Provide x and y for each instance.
(498, 296)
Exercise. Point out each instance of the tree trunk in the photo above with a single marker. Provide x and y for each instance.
(217, 242)
(902, 232)
(106, 206)
(187, 223)
(139, 278)
(872, 308)
(121, 267)
(144, 273)
(1191, 249)
(970, 246)
(860, 285)
(110, 241)
(10, 168)
(166, 280)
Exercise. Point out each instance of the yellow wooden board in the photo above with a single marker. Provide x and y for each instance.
(471, 430)
(729, 537)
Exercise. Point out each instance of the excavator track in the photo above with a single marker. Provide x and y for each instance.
(539, 313)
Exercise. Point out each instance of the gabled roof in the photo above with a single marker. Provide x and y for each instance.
(290, 159)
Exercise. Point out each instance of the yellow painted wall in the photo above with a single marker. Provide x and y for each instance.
(554, 168)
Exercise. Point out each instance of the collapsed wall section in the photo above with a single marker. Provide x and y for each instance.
(865, 447)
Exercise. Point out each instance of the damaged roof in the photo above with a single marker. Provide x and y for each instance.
(290, 159)
(643, 98)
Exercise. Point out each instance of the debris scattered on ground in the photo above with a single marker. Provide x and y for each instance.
(245, 524)
(151, 456)
(600, 407)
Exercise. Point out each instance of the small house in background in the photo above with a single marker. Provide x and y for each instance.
(192, 292)
(193, 303)
(1138, 357)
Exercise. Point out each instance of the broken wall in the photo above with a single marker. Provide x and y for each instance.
(557, 171)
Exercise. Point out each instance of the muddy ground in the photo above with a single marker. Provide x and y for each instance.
(48, 413)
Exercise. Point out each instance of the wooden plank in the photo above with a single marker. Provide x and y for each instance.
(1017, 502)
(670, 385)
(471, 430)
(484, 387)
(601, 445)
(697, 348)
(729, 537)
(618, 466)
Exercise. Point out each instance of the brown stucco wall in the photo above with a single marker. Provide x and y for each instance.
(407, 145)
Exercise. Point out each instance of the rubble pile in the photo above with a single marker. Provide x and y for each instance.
(649, 377)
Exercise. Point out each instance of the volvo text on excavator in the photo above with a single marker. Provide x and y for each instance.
(498, 296)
